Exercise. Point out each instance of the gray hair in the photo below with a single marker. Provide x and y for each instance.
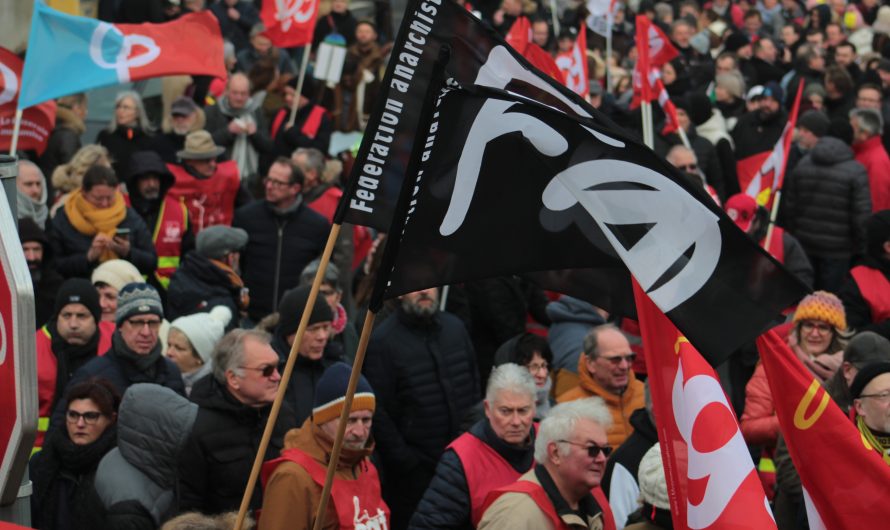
(675, 150)
(511, 377)
(141, 116)
(868, 120)
(562, 421)
(228, 355)
(314, 158)
(228, 50)
(331, 273)
(591, 341)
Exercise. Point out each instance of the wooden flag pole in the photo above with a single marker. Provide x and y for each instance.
(683, 137)
(307, 51)
(334, 461)
(285, 377)
(772, 220)
(14, 143)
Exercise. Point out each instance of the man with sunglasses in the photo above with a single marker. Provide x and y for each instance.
(135, 353)
(562, 490)
(234, 402)
(605, 371)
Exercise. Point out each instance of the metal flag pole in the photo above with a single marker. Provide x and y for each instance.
(14, 143)
(646, 112)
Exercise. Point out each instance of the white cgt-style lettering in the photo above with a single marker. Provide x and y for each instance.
(10, 84)
(123, 62)
(289, 12)
(361, 520)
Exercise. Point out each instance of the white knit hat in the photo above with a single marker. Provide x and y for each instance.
(203, 330)
(653, 485)
(116, 273)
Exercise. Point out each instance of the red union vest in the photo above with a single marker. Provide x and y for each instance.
(167, 237)
(209, 201)
(358, 503)
(537, 493)
(875, 291)
(310, 126)
(47, 371)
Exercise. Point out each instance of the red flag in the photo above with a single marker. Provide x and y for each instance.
(543, 61)
(643, 66)
(192, 44)
(849, 496)
(520, 34)
(771, 172)
(289, 23)
(573, 65)
(37, 121)
(658, 47)
(711, 479)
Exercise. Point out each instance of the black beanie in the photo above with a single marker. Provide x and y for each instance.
(736, 42)
(30, 231)
(877, 232)
(698, 107)
(290, 310)
(865, 376)
(78, 291)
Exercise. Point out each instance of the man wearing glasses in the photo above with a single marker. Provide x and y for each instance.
(871, 398)
(234, 403)
(605, 371)
(135, 353)
(285, 235)
(562, 490)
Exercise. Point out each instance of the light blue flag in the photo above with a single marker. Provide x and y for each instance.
(69, 54)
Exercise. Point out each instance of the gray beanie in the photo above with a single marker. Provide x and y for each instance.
(137, 299)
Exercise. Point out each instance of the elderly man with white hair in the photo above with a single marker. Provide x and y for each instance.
(562, 491)
(493, 453)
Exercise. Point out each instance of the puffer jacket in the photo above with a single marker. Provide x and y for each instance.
(571, 320)
(425, 380)
(827, 201)
(137, 480)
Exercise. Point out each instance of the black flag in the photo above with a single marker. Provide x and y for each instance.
(478, 55)
(506, 185)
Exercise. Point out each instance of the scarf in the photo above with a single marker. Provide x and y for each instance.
(339, 322)
(89, 220)
(881, 443)
(28, 207)
(145, 364)
(243, 152)
(61, 461)
(69, 357)
(237, 284)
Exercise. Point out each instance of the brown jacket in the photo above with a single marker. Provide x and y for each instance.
(621, 406)
(290, 496)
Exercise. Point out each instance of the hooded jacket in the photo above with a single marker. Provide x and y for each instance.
(571, 320)
(46, 280)
(827, 201)
(137, 480)
(199, 285)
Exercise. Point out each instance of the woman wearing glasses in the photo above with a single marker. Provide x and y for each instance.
(817, 337)
(64, 470)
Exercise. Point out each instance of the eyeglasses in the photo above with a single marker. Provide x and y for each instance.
(593, 450)
(153, 325)
(266, 370)
(535, 368)
(275, 183)
(327, 292)
(616, 360)
(808, 325)
(883, 397)
(90, 418)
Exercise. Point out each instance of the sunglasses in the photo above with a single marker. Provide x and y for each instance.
(90, 418)
(266, 370)
(593, 450)
(616, 360)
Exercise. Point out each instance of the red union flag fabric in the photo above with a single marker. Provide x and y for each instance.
(543, 61)
(520, 34)
(573, 65)
(37, 121)
(711, 478)
(658, 47)
(289, 23)
(841, 495)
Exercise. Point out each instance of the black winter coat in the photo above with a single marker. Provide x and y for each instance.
(751, 135)
(280, 246)
(858, 311)
(827, 201)
(446, 503)
(70, 246)
(121, 144)
(215, 463)
(424, 376)
(198, 286)
(300, 393)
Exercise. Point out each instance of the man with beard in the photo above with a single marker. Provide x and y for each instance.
(72, 337)
(166, 217)
(422, 363)
(758, 132)
(31, 193)
(44, 277)
(293, 482)
(185, 117)
(571, 452)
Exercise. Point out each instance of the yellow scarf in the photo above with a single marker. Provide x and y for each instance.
(89, 220)
(872, 439)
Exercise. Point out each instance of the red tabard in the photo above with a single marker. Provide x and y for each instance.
(47, 370)
(352, 498)
(485, 469)
(875, 290)
(167, 237)
(310, 126)
(209, 201)
(777, 245)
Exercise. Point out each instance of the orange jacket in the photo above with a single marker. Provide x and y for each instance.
(621, 406)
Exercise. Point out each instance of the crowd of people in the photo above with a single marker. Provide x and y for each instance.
(172, 260)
